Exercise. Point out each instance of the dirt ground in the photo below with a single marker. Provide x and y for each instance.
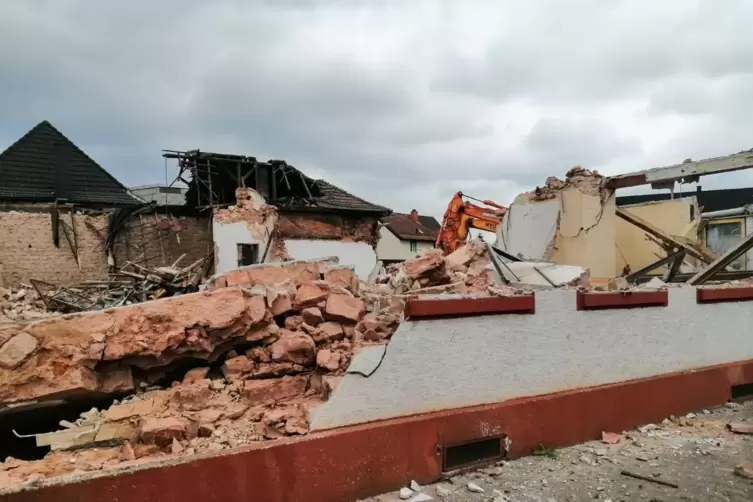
(697, 453)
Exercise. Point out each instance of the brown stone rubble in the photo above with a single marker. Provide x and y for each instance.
(587, 181)
(264, 344)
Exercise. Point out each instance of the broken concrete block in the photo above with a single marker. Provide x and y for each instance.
(312, 316)
(344, 308)
(16, 350)
(237, 367)
(294, 347)
(279, 301)
(462, 256)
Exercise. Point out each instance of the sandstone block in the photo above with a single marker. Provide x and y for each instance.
(427, 262)
(344, 308)
(16, 350)
(312, 316)
(296, 348)
(310, 293)
(329, 332)
(262, 391)
(237, 367)
(162, 431)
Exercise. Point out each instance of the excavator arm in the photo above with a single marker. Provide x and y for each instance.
(462, 215)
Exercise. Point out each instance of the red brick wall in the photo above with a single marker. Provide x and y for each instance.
(27, 251)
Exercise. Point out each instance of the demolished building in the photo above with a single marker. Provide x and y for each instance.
(266, 211)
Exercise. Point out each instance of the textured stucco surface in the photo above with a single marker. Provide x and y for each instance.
(451, 363)
(529, 228)
(358, 254)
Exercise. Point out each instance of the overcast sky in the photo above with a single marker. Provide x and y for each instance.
(400, 102)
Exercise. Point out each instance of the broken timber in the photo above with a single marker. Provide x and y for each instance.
(721, 262)
(696, 252)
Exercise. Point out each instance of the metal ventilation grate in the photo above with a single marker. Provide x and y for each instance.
(474, 452)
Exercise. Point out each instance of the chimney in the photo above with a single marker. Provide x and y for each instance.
(414, 215)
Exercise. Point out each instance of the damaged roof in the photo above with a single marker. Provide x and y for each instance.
(335, 198)
(215, 176)
(404, 226)
(44, 166)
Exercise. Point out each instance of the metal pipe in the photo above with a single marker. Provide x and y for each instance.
(728, 212)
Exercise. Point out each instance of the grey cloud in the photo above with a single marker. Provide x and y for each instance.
(386, 99)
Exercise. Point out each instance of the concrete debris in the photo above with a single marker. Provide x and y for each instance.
(474, 488)
(421, 497)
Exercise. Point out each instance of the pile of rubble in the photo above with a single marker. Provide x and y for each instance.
(21, 304)
(587, 181)
(243, 361)
(466, 270)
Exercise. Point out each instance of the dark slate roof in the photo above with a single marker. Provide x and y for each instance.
(336, 199)
(708, 200)
(44, 166)
(404, 227)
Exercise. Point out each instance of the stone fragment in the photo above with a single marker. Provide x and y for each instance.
(610, 438)
(430, 261)
(405, 493)
(442, 492)
(237, 367)
(462, 256)
(344, 308)
(474, 488)
(279, 301)
(744, 470)
(16, 350)
(329, 332)
(424, 497)
(740, 428)
(617, 284)
(258, 354)
(309, 294)
(377, 327)
(208, 416)
(414, 486)
(116, 378)
(328, 360)
(195, 374)
(273, 390)
(312, 316)
(176, 447)
(162, 431)
(194, 396)
(293, 323)
(342, 276)
(294, 347)
(267, 370)
(143, 408)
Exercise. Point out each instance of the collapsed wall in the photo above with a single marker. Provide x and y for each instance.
(571, 222)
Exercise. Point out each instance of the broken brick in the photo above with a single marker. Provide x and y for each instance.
(279, 301)
(429, 261)
(344, 308)
(342, 276)
(116, 378)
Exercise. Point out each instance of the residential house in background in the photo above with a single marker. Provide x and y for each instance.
(726, 217)
(65, 219)
(403, 236)
(160, 195)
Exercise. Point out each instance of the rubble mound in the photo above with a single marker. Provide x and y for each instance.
(21, 304)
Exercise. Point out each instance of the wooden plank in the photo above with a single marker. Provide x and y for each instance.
(696, 251)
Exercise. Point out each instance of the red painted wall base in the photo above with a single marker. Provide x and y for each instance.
(361, 461)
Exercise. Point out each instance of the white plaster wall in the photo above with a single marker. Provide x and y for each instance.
(390, 247)
(529, 229)
(451, 363)
(226, 238)
(358, 254)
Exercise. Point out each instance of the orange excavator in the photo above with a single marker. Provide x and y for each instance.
(462, 215)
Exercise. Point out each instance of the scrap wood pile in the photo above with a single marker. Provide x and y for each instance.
(133, 283)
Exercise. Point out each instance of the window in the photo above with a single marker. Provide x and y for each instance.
(413, 246)
(723, 236)
(248, 254)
